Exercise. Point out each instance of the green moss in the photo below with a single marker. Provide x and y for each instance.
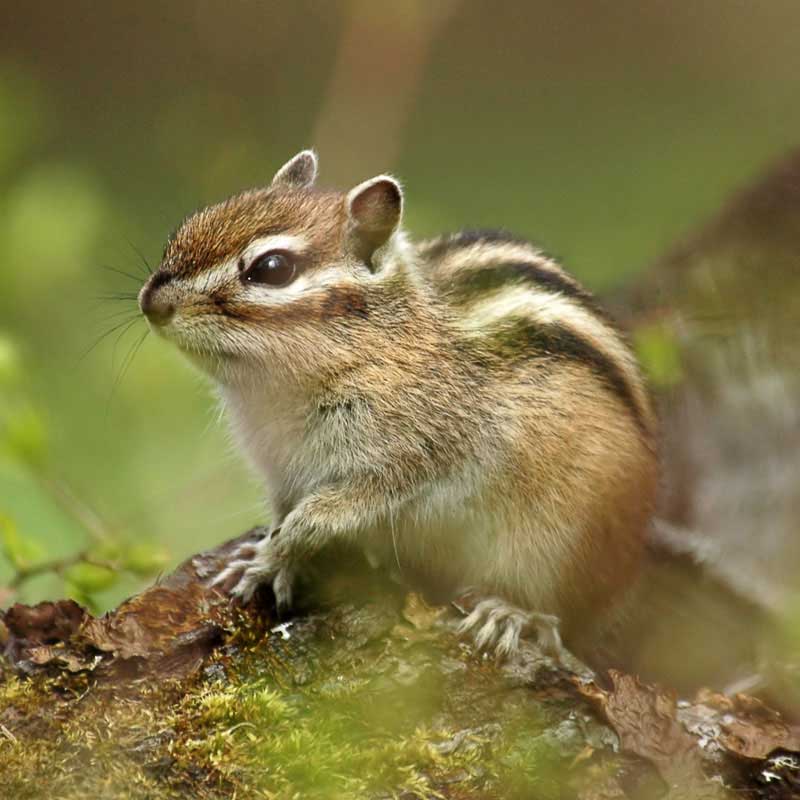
(350, 706)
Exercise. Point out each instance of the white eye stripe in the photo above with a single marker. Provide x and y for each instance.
(284, 241)
(259, 295)
(223, 273)
(308, 282)
(211, 278)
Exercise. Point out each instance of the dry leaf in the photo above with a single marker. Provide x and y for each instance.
(645, 719)
(167, 630)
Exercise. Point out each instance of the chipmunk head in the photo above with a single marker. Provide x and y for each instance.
(275, 276)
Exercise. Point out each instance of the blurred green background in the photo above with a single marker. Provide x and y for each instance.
(602, 130)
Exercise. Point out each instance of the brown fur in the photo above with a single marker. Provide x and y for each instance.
(380, 412)
(222, 231)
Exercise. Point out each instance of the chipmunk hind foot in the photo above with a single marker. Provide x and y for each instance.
(498, 625)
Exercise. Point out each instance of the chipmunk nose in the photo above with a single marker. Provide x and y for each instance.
(158, 310)
(158, 313)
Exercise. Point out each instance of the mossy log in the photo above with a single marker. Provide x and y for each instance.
(365, 693)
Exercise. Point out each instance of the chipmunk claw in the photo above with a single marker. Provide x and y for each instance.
(497, 625)
(253, 566)
(282, 588)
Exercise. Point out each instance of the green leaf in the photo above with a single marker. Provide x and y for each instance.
(20, 551)
(77, 594)
(72, 202)
(659, 354)
(26, 437)
(10, 363)
(110, 551)
(90, 578)
(145, 558)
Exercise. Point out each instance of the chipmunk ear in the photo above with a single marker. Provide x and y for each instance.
(299, 172)
(375, 208)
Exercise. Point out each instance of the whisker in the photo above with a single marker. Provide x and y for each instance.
(134, 352)
(141, 256)
(108, 333)
(116, 314)
(102, 302)
(125, 366)
(118, 296)
(118, 340)
(137, 278)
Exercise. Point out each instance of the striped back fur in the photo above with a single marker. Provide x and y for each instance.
(522, 305)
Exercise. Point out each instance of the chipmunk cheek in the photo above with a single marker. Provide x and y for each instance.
(220, 303)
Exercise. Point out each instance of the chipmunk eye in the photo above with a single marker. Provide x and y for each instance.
(274, 269)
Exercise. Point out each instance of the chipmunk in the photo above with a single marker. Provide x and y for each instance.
(460, 408)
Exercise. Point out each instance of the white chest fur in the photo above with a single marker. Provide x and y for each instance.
(269, 427)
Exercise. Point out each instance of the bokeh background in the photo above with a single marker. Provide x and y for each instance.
(602, 130)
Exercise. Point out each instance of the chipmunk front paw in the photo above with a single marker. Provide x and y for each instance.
(256, 564)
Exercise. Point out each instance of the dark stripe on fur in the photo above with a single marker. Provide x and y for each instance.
(456, 241)
(473, 283)
(345, 302)
(524, 339)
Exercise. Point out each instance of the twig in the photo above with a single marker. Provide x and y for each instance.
(74, 506)
(58, 565)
